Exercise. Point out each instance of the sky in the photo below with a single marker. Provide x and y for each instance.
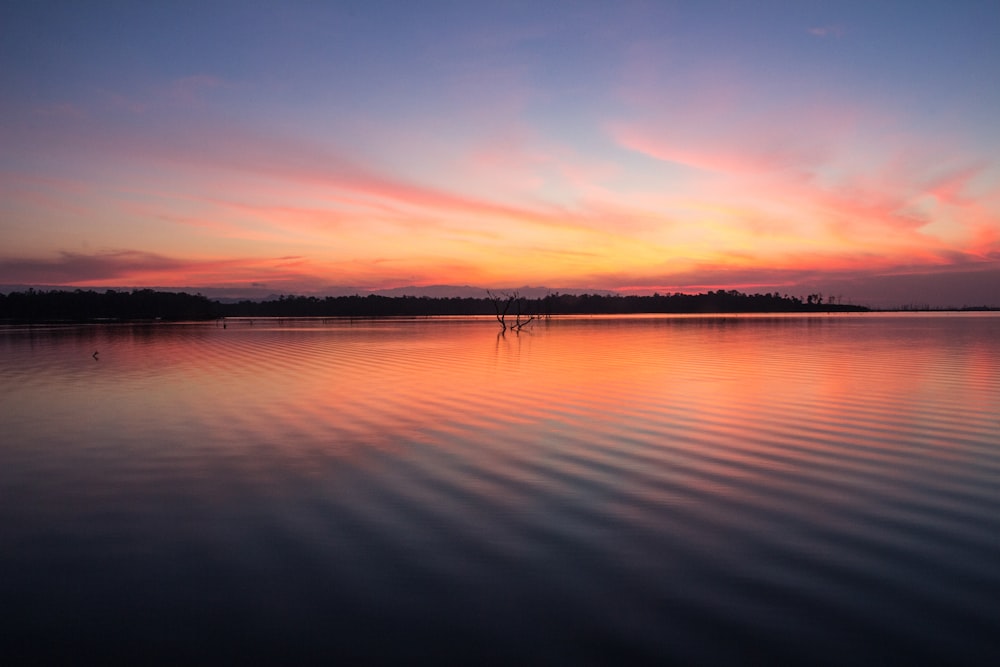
(846, 148)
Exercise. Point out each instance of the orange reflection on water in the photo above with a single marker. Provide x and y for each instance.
(727, 395)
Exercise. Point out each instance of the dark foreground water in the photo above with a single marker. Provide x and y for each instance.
(738, 490)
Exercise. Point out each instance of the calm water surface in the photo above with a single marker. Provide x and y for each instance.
(819, 489)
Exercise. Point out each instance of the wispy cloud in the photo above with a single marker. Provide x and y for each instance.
(835, 31)
(804, 177)
(135, 267)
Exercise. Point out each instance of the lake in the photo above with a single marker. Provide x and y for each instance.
(818, 489)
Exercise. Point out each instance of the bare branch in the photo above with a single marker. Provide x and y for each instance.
(502, 303)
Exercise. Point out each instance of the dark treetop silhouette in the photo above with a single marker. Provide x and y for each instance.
(146, 304)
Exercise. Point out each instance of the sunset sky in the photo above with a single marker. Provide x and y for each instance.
(849, 148)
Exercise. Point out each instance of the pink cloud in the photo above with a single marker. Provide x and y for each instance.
(724, 153)
(728, 128)
(953, 186)
(348, 183)
(294, 161)
(291, 161)
(825, 176)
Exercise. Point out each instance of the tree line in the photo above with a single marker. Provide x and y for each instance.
(146, 304)
(111, 305)
(373, 305)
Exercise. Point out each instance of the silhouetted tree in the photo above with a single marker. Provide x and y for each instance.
(502, 304)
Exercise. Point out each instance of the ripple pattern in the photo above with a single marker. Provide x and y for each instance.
(821, 490)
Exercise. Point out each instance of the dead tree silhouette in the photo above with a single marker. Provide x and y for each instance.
(502, 303)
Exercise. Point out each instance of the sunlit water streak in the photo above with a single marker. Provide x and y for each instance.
(820, 489)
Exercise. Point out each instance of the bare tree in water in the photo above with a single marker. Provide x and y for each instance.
(502, 303)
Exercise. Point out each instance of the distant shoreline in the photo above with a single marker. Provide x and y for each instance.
(62, 306)
(137, 306)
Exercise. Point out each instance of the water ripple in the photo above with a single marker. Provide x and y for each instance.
(812, 489)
